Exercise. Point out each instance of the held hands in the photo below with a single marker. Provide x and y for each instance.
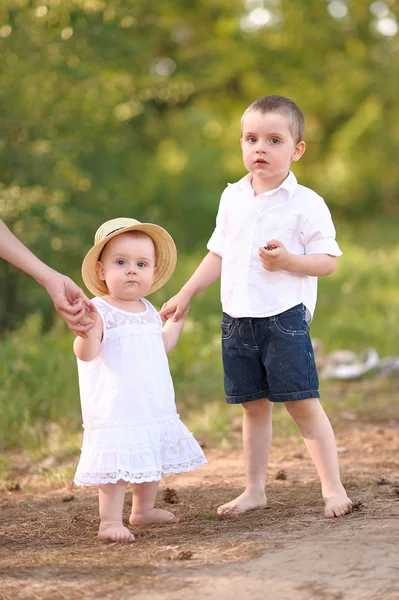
(71, 303)
(276, 258)
(176, 308)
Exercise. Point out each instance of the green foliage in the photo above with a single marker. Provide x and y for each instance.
(358, 306)
(132, 107)
(39, 384)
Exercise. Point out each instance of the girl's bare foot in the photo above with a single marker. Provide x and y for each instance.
(337, 506)
(155, 515)
(243, 504)
(115, 532)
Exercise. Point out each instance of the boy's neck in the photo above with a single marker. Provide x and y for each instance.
(260, 186)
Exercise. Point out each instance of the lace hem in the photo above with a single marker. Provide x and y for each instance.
(89, 479)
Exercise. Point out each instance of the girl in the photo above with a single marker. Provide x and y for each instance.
(132, 432)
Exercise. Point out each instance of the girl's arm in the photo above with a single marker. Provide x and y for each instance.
(171, 332)
(88, 348)
(69, 300)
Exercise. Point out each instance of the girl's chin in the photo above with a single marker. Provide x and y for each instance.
(126, 296)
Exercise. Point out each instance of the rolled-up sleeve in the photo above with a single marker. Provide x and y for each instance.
(217, 239)
(318, 232)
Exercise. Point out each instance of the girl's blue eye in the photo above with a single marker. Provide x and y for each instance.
(141, 264)
(120, 262)
(275, 140)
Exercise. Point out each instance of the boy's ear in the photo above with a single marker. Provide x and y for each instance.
(100, 270)
(299, 151)
(156, 271)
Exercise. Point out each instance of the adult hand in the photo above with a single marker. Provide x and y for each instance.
(70, 302)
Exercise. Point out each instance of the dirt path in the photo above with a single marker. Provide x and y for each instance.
(48, 548)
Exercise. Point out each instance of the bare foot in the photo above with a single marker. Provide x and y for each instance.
(242, 504)
(155, 515)
(337, 506)
(115, 532)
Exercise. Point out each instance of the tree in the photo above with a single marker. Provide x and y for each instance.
(133, 108)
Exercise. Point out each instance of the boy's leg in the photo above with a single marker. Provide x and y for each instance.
(111, 499)
(257, 437)
(143, 511)
(320, 442)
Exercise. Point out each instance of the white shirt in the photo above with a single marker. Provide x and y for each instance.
(294, 215)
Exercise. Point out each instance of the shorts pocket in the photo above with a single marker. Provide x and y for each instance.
(228, 326)
(292, 323)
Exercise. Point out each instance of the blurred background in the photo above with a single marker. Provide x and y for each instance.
(132, 108)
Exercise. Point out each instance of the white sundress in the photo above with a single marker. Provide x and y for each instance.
(131, 427)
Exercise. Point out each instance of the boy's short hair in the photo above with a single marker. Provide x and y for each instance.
(284, 106)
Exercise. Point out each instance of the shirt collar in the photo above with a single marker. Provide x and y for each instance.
(289, 185)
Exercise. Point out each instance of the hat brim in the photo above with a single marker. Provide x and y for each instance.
(165, 250)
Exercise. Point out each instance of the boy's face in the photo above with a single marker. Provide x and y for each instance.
(128, 266)
(268, 149)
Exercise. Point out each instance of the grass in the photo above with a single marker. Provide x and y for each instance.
(358, 307)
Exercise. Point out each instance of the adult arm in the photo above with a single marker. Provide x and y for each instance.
(69, 300)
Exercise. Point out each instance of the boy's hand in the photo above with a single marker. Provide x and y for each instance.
(275, 259)
(175, 308)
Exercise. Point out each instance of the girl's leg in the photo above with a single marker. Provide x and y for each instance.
(111, 498)
(257, 438)
(143, 511)
(320, 442)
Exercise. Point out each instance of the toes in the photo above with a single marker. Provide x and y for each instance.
(117, 536)
(227, 511)
(337, 510)
(224, 509)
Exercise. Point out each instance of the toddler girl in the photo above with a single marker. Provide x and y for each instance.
(132, 432)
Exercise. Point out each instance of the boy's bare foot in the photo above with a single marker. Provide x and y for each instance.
(337, 506)
(155, 515)
(242, 504)
(115, 532)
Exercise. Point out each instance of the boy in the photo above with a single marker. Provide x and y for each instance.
(273, 238)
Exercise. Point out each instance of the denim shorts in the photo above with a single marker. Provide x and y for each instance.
(270, 357)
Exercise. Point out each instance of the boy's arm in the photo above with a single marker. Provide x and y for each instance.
(69, 300)
(207, 272)
(171, 332)
(88, 348)
(279, 259)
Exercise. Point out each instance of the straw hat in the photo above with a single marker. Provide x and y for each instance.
(165, 251)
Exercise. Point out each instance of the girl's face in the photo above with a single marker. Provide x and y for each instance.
(128, 266)
(268, 149)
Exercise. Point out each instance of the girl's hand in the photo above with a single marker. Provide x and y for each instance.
(276, 259)
(70, 302)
